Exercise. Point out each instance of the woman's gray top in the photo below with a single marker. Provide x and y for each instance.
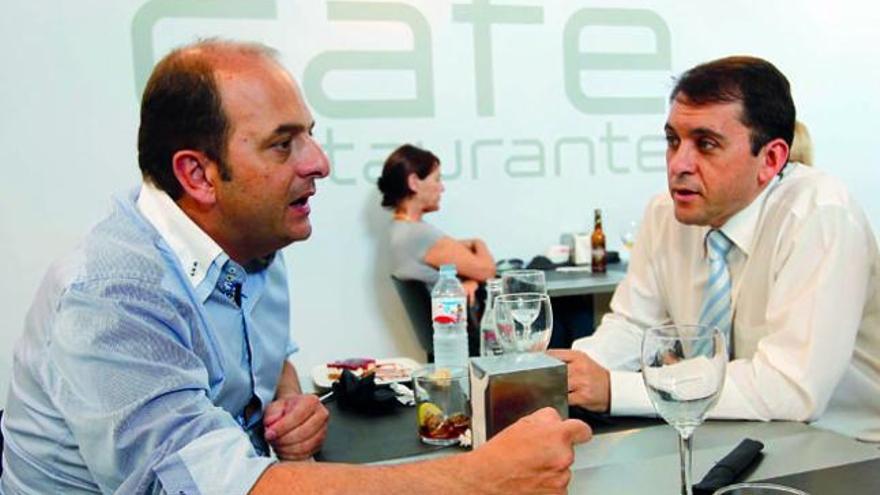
(410, 242)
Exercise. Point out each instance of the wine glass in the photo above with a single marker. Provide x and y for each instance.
(524, 321)
(758, 489)
(517, 281)
(683, 367)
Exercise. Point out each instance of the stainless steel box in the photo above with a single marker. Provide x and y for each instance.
(508, 387)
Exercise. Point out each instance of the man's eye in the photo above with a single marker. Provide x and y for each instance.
(707, 144)
(672, 141)
(282, 145)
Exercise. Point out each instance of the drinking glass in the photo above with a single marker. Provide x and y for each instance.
(628, 235)
(442, 404)
(524, 322)
(683, 367)
(517, 281)
(758, 489)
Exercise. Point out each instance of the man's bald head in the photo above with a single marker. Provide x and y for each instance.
(182, 107)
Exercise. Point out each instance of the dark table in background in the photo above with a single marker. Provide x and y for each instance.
(584, 283)
(573, 294)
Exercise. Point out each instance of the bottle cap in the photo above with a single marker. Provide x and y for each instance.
(448, 268)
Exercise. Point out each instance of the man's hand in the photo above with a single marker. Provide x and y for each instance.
(296, 426)
(589, 385)
(533, 455)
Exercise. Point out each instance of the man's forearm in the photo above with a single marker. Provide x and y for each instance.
(288, 382)
(452, 474)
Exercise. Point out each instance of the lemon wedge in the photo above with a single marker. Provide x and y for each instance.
(428, 410)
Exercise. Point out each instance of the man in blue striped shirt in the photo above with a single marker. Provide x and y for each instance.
(154, 358)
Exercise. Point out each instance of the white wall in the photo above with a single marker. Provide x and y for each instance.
(69, 120)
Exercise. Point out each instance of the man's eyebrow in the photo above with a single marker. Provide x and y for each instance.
(706, 132)
(293, 129)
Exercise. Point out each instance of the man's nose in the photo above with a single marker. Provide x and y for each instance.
(316, 163)
(680, 161)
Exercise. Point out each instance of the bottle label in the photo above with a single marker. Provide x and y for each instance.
(448, 309)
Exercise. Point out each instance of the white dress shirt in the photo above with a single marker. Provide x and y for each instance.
(806, 325)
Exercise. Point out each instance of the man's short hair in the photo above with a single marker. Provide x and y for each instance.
(182, 108)
(765, 94)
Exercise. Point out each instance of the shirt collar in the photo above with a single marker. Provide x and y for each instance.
(193, 247)
(743, 225)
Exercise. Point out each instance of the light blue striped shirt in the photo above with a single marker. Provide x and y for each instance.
(136, 373)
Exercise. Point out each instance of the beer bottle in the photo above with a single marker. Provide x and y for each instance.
(597, 242)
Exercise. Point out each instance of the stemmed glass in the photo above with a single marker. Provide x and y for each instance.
(517, 281)
(683, 367)
(524, 321)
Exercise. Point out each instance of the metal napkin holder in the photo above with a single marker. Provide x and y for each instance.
(507, 387)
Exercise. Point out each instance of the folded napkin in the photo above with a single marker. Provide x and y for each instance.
(729, 469)
(363, 395)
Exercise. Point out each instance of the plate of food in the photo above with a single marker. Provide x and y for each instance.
(388, 370)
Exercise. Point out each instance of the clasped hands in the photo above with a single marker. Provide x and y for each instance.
(296, 426)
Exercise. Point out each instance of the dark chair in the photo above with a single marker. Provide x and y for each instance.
(417, 302)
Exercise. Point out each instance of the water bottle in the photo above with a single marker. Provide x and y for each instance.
(450, 345)
(448, 310)
(489, 345)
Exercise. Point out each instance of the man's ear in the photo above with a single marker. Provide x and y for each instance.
(196, 174)
(775, 156)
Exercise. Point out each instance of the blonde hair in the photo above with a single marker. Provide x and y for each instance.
(802, 145)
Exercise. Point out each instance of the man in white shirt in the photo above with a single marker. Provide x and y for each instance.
(802, 302)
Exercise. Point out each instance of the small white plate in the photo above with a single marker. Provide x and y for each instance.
(321, 374)
(573, 269)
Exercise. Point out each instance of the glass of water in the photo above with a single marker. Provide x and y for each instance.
(518, 281)
(524, 322)
(683, 367)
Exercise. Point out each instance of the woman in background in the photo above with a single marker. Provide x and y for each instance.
(411, 186)
(802, 145)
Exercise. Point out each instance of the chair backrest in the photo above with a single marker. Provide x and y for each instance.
(417, 302)
(1, 443)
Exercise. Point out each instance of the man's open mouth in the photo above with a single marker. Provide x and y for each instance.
(684, 193)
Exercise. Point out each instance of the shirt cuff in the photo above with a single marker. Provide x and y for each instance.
(291, 349)
(629, 396)
(221, 461)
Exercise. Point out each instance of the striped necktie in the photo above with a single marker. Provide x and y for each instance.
(716, 310)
